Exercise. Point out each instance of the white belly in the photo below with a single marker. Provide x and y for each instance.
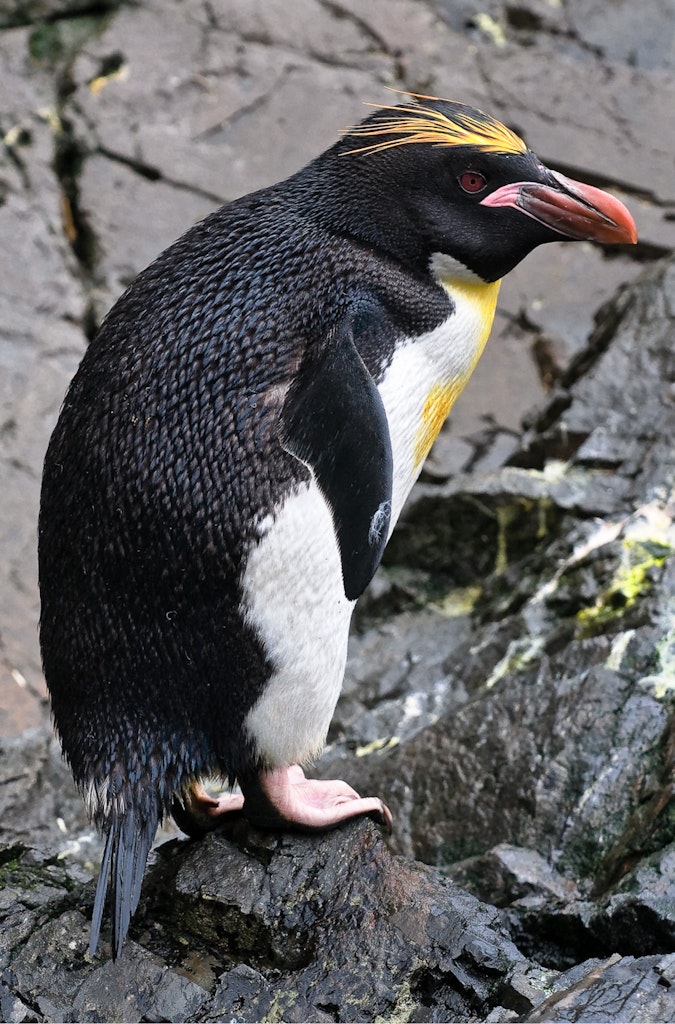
(294, 598)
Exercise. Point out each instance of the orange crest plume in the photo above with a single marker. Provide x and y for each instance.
(414, 123)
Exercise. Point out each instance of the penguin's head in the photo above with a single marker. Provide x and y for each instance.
(438, 177)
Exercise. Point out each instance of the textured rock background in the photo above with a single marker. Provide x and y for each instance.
(512, 672)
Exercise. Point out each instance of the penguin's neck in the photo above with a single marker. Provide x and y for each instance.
(475, 304)
(427, 373)
(468, 290)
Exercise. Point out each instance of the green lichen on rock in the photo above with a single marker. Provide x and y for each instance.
(521, 654)
(52, 43)
(640, 567)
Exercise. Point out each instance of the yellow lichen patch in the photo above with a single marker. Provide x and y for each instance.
(506, 514)
(380, 746)
(119, 74)
(633, 578)
(520, 653)
(486, 24)
(415, 123)
(458, 602)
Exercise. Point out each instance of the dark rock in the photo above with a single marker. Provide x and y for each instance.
(538, 81)
(402, 659)
(26, 12)
(49, 966)
(510, 685)
(13, 1010)
(156, 993)
(509, 874)
(39, 804)
(635, 917)
(40, 345)
(245, 995)
(621, 989)
(285, 925)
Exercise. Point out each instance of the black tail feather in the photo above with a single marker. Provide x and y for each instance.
(126, 851)
(101, 893)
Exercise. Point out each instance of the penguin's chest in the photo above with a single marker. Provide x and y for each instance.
(427, 373)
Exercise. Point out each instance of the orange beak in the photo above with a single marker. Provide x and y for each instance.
(570, 208)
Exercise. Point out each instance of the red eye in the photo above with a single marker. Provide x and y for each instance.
(472, 181)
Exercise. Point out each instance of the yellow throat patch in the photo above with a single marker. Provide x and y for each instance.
(482, 300)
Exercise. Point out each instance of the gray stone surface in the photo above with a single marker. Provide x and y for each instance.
(290, 928)
(508, 689)
(620, 989)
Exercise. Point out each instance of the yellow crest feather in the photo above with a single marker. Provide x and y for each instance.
(414, 123)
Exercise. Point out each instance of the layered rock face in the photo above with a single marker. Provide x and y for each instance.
(511, 679)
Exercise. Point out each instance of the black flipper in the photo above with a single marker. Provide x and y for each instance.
(334, 421)
(126, 851)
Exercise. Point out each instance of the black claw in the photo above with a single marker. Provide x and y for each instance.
(383, 818)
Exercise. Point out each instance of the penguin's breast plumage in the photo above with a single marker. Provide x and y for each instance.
(426, 375)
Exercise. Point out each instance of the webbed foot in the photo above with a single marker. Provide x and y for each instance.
(283, 796)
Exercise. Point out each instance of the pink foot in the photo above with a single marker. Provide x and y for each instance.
(283, 796)
(197, 812)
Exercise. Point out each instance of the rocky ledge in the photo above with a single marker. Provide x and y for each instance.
(295, 928)
(510, 693)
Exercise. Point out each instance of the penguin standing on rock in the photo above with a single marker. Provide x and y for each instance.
(235, 449)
